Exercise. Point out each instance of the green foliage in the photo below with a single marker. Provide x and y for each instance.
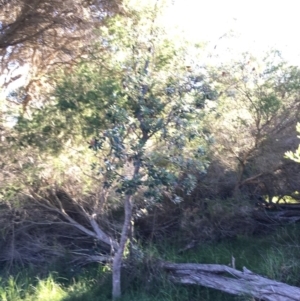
(132, 97)
(250, 124)
(257, 86)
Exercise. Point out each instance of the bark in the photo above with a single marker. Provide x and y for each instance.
(117, 261)
(232, 281)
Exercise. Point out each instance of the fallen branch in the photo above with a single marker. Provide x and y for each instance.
(232, 281)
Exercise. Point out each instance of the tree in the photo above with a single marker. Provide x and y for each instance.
(254, 120)
(38, 36)
(148, 108)
(139, 105)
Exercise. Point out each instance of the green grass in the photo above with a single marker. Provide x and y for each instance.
(22, 288)
(275, 256)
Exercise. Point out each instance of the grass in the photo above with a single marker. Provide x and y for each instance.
(22, 288)
(275, 256)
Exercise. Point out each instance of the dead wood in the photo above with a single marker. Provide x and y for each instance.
(282, 216)
(232, 281)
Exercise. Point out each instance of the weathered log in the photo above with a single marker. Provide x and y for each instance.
(277, 217)
(232, 281)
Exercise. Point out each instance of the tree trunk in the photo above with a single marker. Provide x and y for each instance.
(232, 281)
(117, 261)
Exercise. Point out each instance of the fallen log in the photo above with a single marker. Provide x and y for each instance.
(277, 217)
(232, 281)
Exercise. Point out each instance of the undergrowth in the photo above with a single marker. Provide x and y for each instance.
(274, 256)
